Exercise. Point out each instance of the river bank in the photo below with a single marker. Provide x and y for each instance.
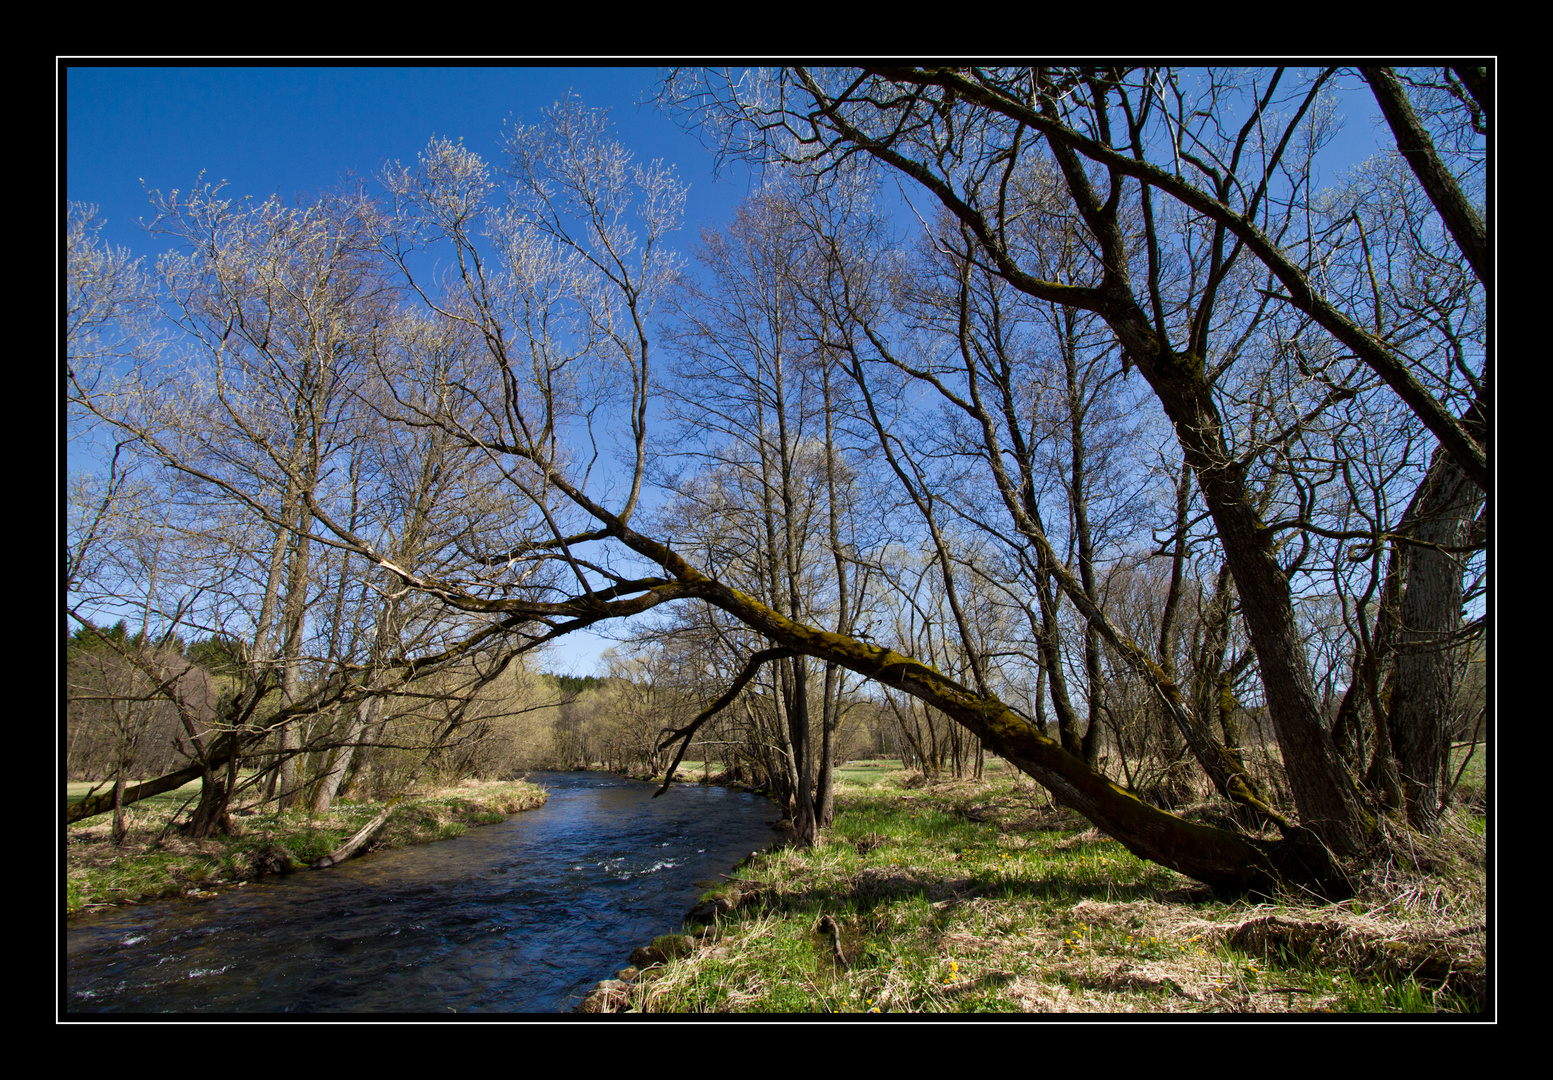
(523, 917)
(155, 862)
(975, 896)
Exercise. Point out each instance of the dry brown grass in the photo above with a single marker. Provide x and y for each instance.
(965, 896)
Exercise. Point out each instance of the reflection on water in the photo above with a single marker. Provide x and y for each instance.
(524, 916)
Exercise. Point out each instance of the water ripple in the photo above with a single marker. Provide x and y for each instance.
(519, 917)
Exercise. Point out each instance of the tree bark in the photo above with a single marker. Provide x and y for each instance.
(210, 815)
(1417, 149)
(353, 845)
(1430, 617)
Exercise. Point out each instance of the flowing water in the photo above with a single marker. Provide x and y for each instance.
(524, 916)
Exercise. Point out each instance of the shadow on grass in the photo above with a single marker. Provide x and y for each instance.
(872, 887)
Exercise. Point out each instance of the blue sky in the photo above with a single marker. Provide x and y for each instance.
(295, 131)
(300, 130)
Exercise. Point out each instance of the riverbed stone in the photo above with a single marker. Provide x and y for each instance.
(609, 996)
(663, 949)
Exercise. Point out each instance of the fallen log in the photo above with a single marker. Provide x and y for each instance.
(351, 846)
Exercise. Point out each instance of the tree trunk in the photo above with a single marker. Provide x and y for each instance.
(825, 785)
(351, 846)
(804, 823)
(210, 816)
(1430, 616)
(1078, 500)
(297, 581)
(1323, 790)
(1218, 857)
(336, 763)
(120, 826)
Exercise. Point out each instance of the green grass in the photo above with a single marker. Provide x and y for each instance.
(973, 897)
(156, 862)
(869, 773)
(1405, 996)
(166, 803)
(1474, 778)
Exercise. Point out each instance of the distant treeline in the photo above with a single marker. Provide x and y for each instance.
(575, 684)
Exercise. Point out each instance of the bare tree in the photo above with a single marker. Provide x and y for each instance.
(965, 135)
(1200, 282)
(754, 393)
(283, 316)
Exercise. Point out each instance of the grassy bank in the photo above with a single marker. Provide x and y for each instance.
(156, 861)
(981, 896)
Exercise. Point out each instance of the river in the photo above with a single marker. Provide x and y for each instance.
(520, 917)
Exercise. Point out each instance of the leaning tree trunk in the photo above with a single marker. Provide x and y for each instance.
(1324, 791)
(1219, 857)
